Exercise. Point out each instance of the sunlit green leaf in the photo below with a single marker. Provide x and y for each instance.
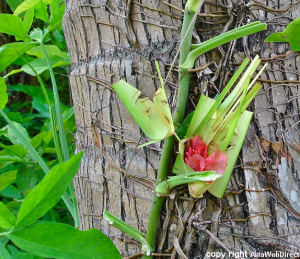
(7, 178)
(40, 11)
(7, 219)
(290, 34)
(28, 19)
(3, 94)
(48, 192)
(13, 4)
(52, 50)
(10, 52)
(55, 240)
(40, 65)
(12, 136)
(7, 158)
(44, 137)
(57, 9)
(17, 150)
(12, 25)
(27, 4)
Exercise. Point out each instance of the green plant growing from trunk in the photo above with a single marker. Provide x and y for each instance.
(214, 121)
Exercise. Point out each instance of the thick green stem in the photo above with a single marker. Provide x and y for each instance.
(167, 153)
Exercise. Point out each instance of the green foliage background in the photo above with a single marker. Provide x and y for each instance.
(38, 212)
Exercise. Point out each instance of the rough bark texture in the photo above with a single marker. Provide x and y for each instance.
(260, 210)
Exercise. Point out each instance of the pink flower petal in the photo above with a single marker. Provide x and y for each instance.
(199, 147)
(216, 162)
(196, 162)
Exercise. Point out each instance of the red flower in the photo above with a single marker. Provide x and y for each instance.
(196, 157)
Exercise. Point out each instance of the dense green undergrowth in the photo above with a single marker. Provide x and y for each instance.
(38, 211)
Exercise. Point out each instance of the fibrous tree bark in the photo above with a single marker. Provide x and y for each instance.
(113, 40)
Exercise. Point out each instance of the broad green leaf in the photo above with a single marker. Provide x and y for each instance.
(4, 254)
(27, 177)
(40, 11)
(7, 158)
(13, 4)
(27, 4)
(7, 219)
(20, 61)
(40, 65)
(154, 118)
(7, 178)
(12, 204)
(57, 9)
(28, 19)
(10, 192)
(290, 34)
(10, 52)
(4, 240)
(52, 50)
(17, 150)
(3, 94)
(31, 91)
(40, 104)
(17, 117)
(11, 135)
(23, 255)
(48, 192)
(43, 137)
(55, 240)
(12, 25)
(12, 249)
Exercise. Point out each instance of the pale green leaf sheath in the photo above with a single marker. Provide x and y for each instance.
(153, 117)
(222, 126)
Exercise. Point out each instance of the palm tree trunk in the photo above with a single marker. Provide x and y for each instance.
(113, 40)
